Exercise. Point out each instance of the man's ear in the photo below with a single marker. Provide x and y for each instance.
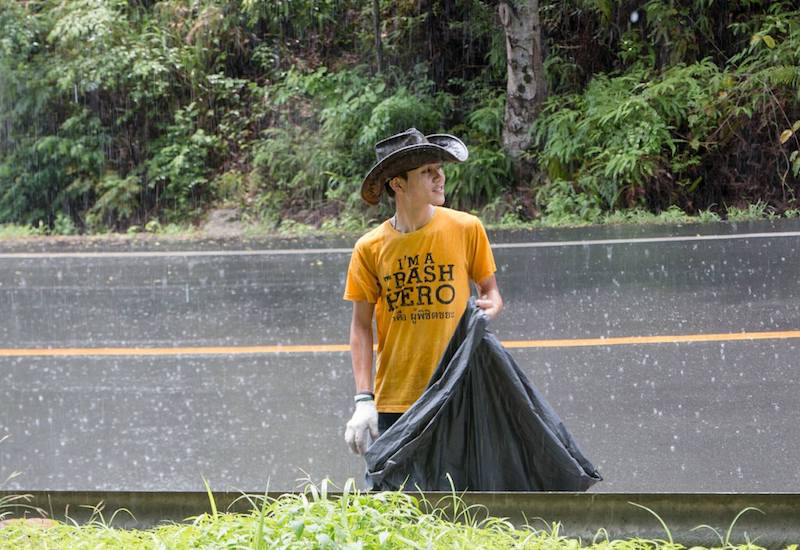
(394, 183)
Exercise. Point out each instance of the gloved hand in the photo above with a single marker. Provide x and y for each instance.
(363, 424)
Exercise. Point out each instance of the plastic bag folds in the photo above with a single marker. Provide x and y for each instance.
(481, 425)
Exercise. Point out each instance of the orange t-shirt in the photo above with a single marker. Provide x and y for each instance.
(420, 285)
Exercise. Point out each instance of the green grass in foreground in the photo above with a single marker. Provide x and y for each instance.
(315, 520)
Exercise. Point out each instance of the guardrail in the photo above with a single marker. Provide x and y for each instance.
(776, 524)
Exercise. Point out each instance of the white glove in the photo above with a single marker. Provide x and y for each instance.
(363, 425)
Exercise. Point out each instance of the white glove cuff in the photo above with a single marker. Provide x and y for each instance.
(364, 396)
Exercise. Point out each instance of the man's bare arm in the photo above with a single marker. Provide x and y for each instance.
(361, 345)
(489, 299)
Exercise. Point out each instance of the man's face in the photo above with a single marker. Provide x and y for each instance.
(425, 185)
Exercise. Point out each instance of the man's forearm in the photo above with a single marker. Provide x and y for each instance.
(361, 352)
(489, 299)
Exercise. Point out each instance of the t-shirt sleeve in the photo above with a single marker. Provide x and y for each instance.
(482, 264)
(362, 283)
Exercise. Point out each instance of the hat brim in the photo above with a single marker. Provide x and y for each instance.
(442, 148)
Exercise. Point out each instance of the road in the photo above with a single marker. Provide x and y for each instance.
(670, 352)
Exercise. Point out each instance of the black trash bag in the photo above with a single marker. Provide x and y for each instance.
(482, 423)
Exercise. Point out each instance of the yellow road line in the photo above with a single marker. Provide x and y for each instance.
(671, 339)
(339, 348)
(200, 350)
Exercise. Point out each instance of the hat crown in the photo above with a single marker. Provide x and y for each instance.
(410, 137)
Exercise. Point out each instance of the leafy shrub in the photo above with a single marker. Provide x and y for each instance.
(618, 138)
(178, 171)
(117, 200)
(758, 211)
(36, 175)
(398, 112)
(116, 111)
(672, 215)
(64, 225)
(565, 204)
(14, 231)
(286, 168)
(323, 145)
(487, 173)
(479, 180)
(708, 216)
(792, 213)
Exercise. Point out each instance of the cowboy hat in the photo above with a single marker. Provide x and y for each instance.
(406, 151)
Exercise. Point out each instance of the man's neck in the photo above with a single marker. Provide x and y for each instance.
(406, 220)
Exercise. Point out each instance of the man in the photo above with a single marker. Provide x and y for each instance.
(413, 274)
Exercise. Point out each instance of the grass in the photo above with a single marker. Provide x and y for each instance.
(757, 211)
(12, 231)
(639, 216)
(313, 519)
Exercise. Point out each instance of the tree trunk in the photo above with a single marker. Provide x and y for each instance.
(376, 20)
(525, 82)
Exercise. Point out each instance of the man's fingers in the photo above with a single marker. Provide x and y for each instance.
(361, 441)
(373, 427)
(350, 438)
(487, 307)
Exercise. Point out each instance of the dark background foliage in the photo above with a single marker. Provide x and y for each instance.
(119, 113)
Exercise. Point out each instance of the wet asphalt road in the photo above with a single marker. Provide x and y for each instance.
(684, 417)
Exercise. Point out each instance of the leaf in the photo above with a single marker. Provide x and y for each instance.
(769, 41)
(755, 39)
(298, 526)
(785, 135)
(211, 499)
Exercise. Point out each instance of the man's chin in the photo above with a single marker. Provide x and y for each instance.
(438, 201)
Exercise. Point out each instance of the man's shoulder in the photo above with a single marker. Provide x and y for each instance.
(464, 219)
(372, 238)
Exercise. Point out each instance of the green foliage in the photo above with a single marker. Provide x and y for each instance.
(314, 518)
(98, 53)
(637, 216)
(36, 174)
(286, 168)
(117, 199)
(792, 213)
(230, 186)
(758, 211)
(623, 132)
(178, 170)
(565, 205)
(488, 172)
(480, 180)
(10, 231)
(118, 113)
(316, 155)
(64, 225)
(400, 111)
(707, 216)
(294, 18)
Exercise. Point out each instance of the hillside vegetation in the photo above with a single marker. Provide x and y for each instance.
(119, 114)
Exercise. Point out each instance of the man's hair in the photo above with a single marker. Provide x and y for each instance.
(388, 187)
